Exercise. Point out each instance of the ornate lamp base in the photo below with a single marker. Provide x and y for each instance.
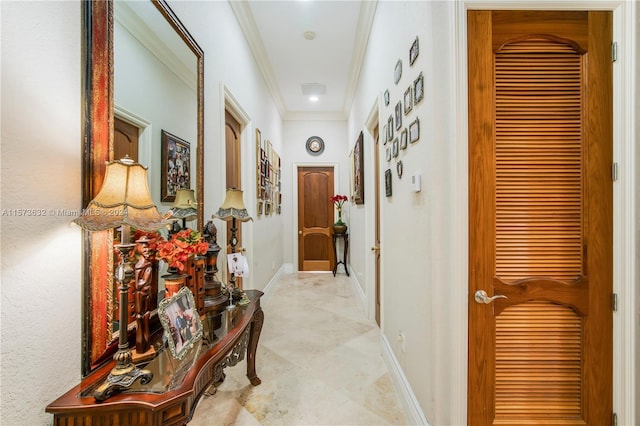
(119, 380)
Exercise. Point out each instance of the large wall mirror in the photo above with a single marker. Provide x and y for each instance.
(143, 78)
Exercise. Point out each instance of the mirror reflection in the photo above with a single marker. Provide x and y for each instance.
(155, 93)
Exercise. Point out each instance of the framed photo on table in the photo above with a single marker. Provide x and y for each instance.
(176, 166)
(181, 322)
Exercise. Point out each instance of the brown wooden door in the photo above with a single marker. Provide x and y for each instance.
(315, 219)
(233, 152)
(540, 218)
(376, 198)
(125, 140)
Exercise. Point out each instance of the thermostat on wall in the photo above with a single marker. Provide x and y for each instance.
(416, 184)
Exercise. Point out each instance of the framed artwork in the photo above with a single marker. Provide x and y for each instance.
(396, 146)
(258, 162)
(390, 128)
(413, 51)
(384, 134)
(397, 71)
(267, 208)
(400, 169)
(181, 322)
(414, 131)
(398, 115)
(404, 136)
(418, 89)
(388, 153)
(259, 207)
(387, 183)
(408, 100)
(176, 166)
(386, 98)
(358, 171)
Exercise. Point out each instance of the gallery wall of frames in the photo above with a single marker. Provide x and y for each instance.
(268, 173)
(402, 128)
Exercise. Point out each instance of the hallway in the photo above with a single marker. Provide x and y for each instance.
(320, 363)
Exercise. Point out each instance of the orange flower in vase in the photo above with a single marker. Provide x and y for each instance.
(175, 253)
(180, 246)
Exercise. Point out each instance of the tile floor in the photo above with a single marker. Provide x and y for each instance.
(319, 360)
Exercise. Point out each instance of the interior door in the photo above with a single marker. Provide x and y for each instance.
(315, 219)
(540, 218)
(125, 140)
(376, 198)
(233, 173)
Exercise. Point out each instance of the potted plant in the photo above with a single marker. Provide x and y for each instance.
(339, 227)
(175, 252)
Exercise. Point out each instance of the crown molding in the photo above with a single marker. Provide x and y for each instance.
(248, 25)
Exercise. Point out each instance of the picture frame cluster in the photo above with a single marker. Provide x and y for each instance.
(268, 178)
(402, 128)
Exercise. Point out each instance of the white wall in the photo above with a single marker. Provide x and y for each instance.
(41, 256)
(417, 249)
(230, 70)
(147, 88)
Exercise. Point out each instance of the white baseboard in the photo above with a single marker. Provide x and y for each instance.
(361, 296)
(412, 409)
(276, 277)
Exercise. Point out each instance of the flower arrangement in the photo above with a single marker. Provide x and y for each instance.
(338, 201)
(179, 247)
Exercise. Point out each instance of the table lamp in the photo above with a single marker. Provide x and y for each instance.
(123, 201)
(184, 206)
(233, 209)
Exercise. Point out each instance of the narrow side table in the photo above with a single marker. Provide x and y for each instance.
(345, 238)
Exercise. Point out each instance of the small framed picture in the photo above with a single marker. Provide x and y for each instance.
(259, 207)
(418, 89)
(387, 182)
(414, 131)
(180, 321)
(398, 115)
(176, 166)
(396, 146)
(397, 71)
(384, 134)
(408, 100)
(413, 52)
(390, 128)
(386, 98)
(400, 169)
(404, 136)
(388, 153)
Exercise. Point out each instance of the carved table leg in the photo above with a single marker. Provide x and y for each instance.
(254, 335)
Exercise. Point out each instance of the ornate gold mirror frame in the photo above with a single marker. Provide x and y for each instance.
(97, 17)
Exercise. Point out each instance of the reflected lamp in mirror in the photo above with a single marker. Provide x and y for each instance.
(123, 202)
(233, 209)
(184, 206)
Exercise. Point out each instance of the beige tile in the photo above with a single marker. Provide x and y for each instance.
(319, 360)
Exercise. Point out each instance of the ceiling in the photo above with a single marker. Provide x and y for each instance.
(275, 31)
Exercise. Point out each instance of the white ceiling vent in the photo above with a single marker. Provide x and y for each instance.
(314, 89)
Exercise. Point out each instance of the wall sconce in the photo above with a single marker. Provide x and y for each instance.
(123, 201)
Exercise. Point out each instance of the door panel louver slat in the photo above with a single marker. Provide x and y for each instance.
(538, 227)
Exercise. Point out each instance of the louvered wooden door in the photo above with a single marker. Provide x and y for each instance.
(540, 208)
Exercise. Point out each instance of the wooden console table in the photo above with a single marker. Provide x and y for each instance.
(171, 396)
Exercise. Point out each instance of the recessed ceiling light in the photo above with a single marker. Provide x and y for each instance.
(309, 35)
(314, 98)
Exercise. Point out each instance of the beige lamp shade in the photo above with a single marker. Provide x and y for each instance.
(184, 206)
(233, 207)
(124, 199)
